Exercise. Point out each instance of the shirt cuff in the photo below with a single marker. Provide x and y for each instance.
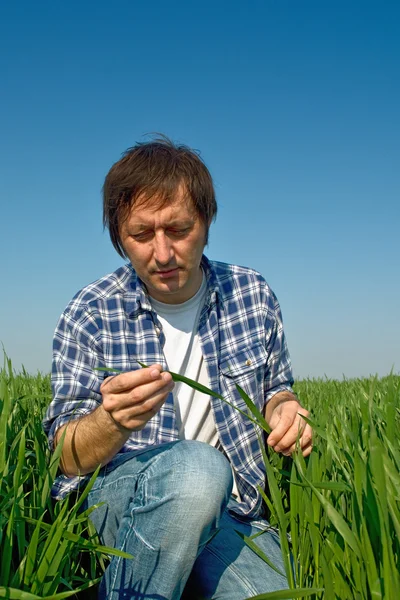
(283, 387)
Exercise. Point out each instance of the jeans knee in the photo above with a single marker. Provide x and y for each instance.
(202, 472)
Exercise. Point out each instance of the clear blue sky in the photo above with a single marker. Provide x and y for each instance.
(295, 108)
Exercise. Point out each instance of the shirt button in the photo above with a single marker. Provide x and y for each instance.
(248, 362)
(158, 331)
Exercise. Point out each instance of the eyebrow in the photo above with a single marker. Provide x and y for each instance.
(174, 223)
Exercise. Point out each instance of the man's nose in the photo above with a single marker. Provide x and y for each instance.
(163, 250)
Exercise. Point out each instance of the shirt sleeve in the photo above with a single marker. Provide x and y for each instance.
(278, 374)
(75, 383)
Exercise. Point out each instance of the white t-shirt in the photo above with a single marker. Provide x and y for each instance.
(183, 354)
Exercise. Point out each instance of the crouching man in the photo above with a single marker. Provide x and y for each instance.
(177, 465)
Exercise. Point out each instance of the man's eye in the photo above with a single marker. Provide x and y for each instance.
(179, 232)
(142, 236)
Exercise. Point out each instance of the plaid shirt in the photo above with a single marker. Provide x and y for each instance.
(111, 323)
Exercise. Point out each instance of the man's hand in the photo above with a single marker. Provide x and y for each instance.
(132, 398)
(129, 401)
(283, 416)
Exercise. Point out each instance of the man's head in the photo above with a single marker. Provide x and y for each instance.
(159, 202)
(152, 173)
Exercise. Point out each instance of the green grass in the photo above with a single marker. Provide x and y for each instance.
(48, 549)
(338, 511)
(341, 506)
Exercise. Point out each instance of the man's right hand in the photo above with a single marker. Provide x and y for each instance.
(131, 399)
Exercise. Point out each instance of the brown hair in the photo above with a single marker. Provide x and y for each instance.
(154, 170)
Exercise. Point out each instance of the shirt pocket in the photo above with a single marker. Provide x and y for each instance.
(247, 368)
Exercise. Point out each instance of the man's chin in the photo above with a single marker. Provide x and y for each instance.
(163, 287)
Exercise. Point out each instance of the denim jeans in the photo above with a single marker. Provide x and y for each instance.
(164, 505)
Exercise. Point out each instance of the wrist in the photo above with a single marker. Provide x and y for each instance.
(108, 422)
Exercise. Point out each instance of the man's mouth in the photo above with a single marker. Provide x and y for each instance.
(165, 273)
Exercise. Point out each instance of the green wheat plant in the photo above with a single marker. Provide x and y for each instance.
(337, 511)
(254, 414)
(48, 549)
(341, 506)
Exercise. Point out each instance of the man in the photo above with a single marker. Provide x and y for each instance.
(170, 455)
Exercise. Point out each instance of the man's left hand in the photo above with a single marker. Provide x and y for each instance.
(287, 426)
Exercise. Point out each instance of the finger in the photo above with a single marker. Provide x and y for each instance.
(280, 430)
(294, 440)
(293, 436)
(138, 395)
(148, 392)
(307, 437)
(282, 418)
(307, 449)
(126, 381)
(136, 418)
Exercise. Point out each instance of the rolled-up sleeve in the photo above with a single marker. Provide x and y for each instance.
(75, 383)
(278, 374)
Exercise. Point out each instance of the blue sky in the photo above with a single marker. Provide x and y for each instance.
(295, 109)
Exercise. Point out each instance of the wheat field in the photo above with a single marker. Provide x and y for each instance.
(338, 511)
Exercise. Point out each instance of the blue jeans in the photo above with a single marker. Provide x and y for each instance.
(164, 505)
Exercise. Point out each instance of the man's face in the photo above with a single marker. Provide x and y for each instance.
(165, 247)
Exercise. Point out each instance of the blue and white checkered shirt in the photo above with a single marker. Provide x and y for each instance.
(111, 323)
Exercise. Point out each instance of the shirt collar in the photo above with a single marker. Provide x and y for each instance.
(214, 294)
(138, 299)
